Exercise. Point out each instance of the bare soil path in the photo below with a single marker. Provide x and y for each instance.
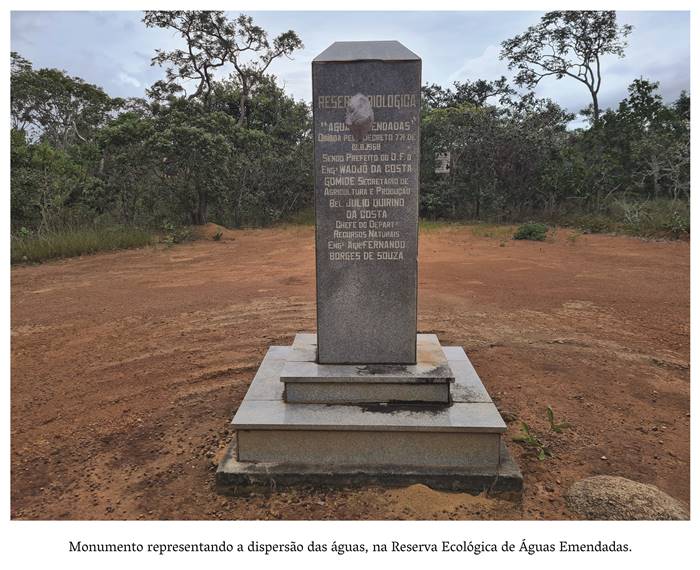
(127, 368)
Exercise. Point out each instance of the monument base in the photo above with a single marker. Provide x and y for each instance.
(235, 477)
(454, 446)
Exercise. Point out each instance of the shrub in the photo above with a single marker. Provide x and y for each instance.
(664, 218)
(595, 224)
(660, 218)
(173, 234)
(531, 231)
(678, 225)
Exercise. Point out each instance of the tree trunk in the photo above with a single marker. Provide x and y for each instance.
(655, 174)
(242, 111)
(596, 109)
(201, 213)
(237, 213)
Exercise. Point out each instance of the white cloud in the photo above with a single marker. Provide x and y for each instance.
(113, 49)
(127, 79)
(486, 66)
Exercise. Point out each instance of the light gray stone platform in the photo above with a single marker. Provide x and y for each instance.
(238, 477)
(307, 381)
(456, 446)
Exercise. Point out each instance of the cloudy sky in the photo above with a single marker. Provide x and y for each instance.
(113, 49)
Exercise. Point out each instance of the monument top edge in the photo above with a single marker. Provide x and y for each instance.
(389, 50)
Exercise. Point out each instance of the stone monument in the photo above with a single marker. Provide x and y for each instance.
(367, 399)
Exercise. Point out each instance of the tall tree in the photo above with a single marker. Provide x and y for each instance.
(250, 72)
(51, 105)
(195, 152)
(657, 139)
(568, 43)
(212, 42)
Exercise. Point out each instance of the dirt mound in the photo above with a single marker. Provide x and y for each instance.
(211, 230)
(615, 498)
(421, 502)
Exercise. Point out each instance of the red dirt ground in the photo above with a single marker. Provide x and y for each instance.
(127, 368)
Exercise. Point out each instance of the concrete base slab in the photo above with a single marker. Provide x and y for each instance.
(239, 477)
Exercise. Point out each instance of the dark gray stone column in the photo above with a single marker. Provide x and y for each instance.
(366, 107)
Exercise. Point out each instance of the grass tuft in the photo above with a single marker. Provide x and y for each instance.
(71, 243)
(495, 231)
(305, 217)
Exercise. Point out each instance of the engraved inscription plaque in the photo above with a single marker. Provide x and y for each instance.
(366, 108)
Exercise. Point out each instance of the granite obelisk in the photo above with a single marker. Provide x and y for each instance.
(366, 156)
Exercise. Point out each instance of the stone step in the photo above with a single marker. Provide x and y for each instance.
(464, 434)
(365, 448)
(356, 392)
(459, 417)
(307, 381)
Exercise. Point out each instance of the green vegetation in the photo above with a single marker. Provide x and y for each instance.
(428, 225)
(567, 44)
(302, 217)
(513, 159)
(530, 439)
(553, 425)
(492, 231)
(173, 234)
(69, 243)
(531, 231)
(648, 218)
(237, 150)
(572, 238)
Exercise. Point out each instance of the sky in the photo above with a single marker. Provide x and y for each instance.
(114, 49)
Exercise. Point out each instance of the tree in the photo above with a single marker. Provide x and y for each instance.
(55, 107)
(567, 43)
(475, 92)
(130, 168)
(273, 164)
(194, 153)
(269, 108)
(251, 72)
(45, 183)
(682, 106)
(209, 37)
(658, 141)
(505, 161)
(643, 105)
(212, 42)
(20, 91)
